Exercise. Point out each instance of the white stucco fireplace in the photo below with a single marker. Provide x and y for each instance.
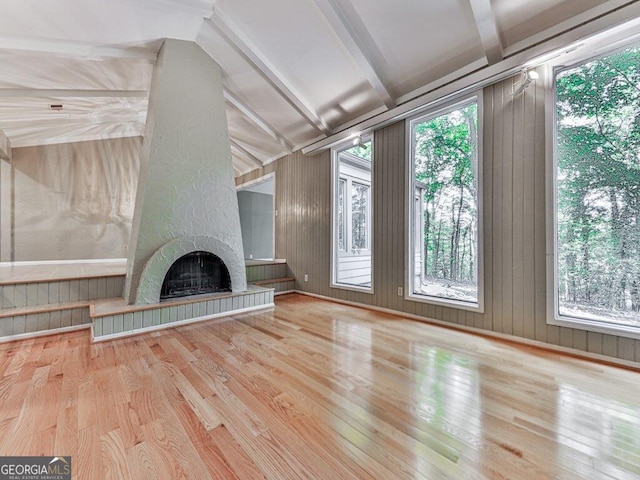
(186, 200)
(186, 207)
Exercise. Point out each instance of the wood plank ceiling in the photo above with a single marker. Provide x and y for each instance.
(295, 71)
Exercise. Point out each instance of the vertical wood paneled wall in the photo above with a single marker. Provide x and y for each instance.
(514, 225)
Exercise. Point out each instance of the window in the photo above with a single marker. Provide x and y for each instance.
(596, 194)
(352, 213)
(445, 239)
(360, 217)
(342, 192)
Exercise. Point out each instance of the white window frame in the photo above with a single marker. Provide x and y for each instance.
(553, 303)
(342, 189)
(349, 181)
(410, 221)
(336, 253)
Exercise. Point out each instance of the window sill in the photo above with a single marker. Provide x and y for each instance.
(596, 326)
(444, 302)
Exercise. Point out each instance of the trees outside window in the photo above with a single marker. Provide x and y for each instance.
(597, 191)
(352, 214)
(444, 204)
(360, 214)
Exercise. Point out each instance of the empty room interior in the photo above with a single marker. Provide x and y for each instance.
(320, 239)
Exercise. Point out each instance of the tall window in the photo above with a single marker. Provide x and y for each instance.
(342, 234)
(352, 213)
(445, 242)
(597, 193)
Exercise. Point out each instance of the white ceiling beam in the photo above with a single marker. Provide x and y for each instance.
(76, 49)
(341, 23)
(488, 30)
(5, 147)
(61, 93)
(575, 21)
(257, 120)
(455, 75)
(474, 81)
(269, 73)
(244, 153)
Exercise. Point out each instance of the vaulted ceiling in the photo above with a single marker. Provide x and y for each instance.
(295, 71)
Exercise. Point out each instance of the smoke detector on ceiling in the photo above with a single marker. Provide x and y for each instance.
(55, 106)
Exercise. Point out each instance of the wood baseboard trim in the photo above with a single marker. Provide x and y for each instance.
(502, 337)
(223, 316)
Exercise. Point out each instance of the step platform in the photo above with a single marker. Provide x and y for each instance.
(112, 318)
(53, 297)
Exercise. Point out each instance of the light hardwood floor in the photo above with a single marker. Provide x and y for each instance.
(316, 390)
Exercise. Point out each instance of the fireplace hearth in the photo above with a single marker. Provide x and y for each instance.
(195, 273)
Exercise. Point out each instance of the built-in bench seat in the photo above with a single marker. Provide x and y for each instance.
(22, 321)
(48, 298)
(280, 285)
(258, 270)
(271, 273)
(36, 309)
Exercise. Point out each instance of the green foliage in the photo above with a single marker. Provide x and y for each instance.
(362, 150)
(360, 222)
(444, 163)
(598, 182)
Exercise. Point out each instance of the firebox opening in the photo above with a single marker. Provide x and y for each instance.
(196, 273)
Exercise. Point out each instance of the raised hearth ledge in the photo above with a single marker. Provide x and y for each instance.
(158, 265)
(254, 263)
(114, 318)
(61, 270)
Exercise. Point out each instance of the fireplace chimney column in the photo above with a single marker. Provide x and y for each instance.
(186, 187)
